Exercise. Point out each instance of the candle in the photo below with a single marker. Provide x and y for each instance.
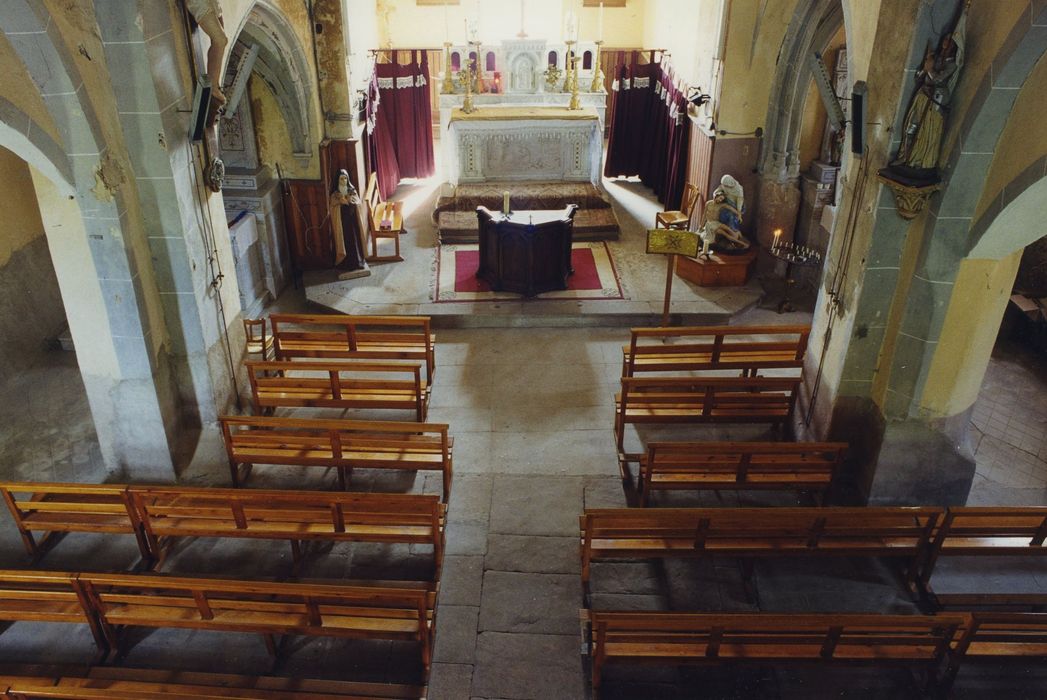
(599, 32)
(777, 235)
(505, 203)
(447, 26)
(572, 26)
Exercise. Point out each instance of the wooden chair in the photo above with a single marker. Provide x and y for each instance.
(389, 611)
(750, 533)
(682, 218)
(109, 683)
(59, 508)
(716, 466)
(711, 639)
(337, 444)
(259, 342)
(385, 220)
(702, 400)
(170, 512)
(700, 348)
(347, 385)
(343, 337)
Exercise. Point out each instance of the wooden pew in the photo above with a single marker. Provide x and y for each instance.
(802, 466)
(678, 638)
(107, 683)
(998, 637)
(714, 348)
(59, 508)
(168, 513)
(388, 611)
(346, 385)
(48, 596)
(338, 444)
(750, 533)
(702, 400)
(989, 532)
(333, 336)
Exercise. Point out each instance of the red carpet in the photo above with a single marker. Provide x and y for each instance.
(594, 275)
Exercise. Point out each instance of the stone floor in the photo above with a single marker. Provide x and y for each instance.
(407, 287)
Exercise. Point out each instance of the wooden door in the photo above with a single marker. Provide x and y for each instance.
(308, 224)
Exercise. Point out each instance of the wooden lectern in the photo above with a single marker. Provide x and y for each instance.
(527, 252)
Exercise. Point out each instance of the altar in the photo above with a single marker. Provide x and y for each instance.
(537, 144)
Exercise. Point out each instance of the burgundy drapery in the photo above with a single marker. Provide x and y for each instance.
(400, 121)
(649, 132)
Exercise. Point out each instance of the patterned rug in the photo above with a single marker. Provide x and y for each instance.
(594, 276)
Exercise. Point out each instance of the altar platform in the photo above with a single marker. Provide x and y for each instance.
(410, 287)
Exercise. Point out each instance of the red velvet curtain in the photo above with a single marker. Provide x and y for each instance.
(649, 134)
(402, 136)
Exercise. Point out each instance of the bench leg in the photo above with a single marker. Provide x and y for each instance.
(296, 555)
(748, 569)
(343, 477)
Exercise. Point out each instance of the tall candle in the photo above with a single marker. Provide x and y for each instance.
(447, 26)
(777, 235)
(599, 32)
(505, 203)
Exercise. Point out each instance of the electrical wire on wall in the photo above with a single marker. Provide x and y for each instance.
(839, 278)
(197, 154)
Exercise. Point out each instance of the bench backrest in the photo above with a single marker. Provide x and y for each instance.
(337, 384)
(328, 442)
(292, 515)
(715, 348)
(770, 636)
(746, 462)
(715, 398)
(403, 611)
(871, 531)
(1002, 530)
(1003, 634)
(336, 336)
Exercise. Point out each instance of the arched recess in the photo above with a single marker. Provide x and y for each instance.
(813, 25)
(84, 193)
(283, 65)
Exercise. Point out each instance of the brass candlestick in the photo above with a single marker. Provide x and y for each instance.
(448, 86)
(598, 78)
(479, 88)
(467, 103)
(568, 76)
(576, 102)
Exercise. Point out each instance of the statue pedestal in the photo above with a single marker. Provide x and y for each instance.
(717, 271)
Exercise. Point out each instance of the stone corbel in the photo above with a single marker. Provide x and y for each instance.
(909, 200)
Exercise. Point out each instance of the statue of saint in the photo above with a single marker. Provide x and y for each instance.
(208, 14)
(348, 248)
(925, 120)
(722, 219)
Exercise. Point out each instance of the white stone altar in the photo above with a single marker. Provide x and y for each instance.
(519, 66)
(545, 144)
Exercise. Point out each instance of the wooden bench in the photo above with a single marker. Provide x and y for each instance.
(997, 637)
(802, 466)
(749, 533)
(337, 444)
(338, 337)
(702, 400)
(346, 385)
(55, 509)
(987, 531)
(387, 611)
(700, 348)
(108, 683)
(168, 513)
(384, 220)
(678, 638)
(47, 596)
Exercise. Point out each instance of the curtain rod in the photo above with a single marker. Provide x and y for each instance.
(375, 52)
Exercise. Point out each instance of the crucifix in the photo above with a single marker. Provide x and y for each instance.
(523, 12)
